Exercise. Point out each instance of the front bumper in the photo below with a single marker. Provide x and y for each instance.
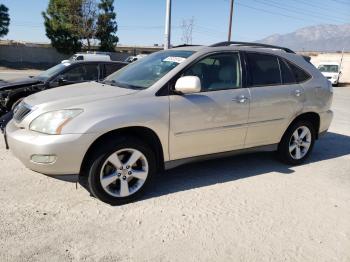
(333, 81)
(69, 149)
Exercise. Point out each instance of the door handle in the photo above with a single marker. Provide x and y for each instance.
(240, 99)
(297, 92)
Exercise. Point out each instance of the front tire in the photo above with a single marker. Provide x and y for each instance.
(297, 143)
(121, 170)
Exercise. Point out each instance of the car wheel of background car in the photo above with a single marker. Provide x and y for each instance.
(121, 170)
(297, 143)
(16, 103)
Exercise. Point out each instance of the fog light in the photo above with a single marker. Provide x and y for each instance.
(43, 159)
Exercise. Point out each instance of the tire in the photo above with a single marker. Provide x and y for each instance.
(294, 149)
(112, 179)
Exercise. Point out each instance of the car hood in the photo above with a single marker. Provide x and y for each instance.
(20, 82)
(77, 94)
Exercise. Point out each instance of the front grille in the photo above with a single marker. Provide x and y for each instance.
(21, 111)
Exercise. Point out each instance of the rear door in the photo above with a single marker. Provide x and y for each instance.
(275, 98)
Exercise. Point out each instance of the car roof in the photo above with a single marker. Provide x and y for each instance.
(95, 61)
(329, 63)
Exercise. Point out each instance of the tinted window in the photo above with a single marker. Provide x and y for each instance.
(263, 69)
(217, 72)
(299, 74)
(111, 68)
(287, 74)
(82, 73)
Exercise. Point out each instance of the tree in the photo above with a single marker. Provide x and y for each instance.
(107, 26)
(84, 23)
(59, 21)
(4, 20)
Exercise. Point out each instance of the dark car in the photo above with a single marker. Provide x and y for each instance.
(12, 92)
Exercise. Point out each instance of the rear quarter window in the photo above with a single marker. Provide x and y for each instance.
(300, 75)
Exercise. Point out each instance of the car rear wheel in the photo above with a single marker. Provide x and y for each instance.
(297, 143)
(121, 171)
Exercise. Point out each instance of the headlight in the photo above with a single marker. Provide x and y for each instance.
(52, 122)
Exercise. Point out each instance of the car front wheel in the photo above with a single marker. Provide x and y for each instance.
(297, 143)
(121, 171)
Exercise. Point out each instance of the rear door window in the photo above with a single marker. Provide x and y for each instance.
(263, 69)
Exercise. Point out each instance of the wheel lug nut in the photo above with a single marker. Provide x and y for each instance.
(127, 167)
(119, 174)
(124, 177)
(129, 172)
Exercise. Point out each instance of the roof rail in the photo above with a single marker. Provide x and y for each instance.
(227, 43)
(183, 45)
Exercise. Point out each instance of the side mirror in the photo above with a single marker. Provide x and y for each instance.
(188, 85)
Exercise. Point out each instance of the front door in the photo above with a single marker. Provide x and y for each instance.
(215, 119)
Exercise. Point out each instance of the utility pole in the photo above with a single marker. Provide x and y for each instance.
(230, 24)
(167, 25)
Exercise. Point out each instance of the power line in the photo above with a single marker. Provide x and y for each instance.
(298, 12)
(271, 12)
(321, 7)
(341, 2)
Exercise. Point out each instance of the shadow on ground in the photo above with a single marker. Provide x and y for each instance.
(222, 170)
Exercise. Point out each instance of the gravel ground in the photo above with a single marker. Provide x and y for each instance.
(243, 208)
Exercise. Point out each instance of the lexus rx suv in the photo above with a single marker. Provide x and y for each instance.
(169, 108)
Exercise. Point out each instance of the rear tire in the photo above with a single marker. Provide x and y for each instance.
(121, 170)
(297, 143)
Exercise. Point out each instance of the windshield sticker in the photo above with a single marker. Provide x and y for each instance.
(174, 59)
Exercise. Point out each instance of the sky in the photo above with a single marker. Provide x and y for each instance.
(141, 22)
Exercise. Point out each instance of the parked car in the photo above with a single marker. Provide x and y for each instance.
(331, 70)
(13, 91)
(131, 59)
(89, 57)
(173, 107)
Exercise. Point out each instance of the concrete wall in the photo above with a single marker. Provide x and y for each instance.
(43, 55)
(26, 54)
(316, 58)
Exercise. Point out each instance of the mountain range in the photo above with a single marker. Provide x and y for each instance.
(329, 38)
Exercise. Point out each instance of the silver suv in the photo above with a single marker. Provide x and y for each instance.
(172, 107)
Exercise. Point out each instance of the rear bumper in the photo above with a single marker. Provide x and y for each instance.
(68, 150)
(325, 121)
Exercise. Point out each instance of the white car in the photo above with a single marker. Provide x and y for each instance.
(330, 70)
(88, 57)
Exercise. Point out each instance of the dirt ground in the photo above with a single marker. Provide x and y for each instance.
(243, 208)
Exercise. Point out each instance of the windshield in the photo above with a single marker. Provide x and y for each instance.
(328, 68)
(145, 72)
(52, 71)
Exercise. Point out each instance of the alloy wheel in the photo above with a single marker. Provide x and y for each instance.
(124, 172)
(300, 142)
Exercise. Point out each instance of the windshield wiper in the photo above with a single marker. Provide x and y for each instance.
(109, 82)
